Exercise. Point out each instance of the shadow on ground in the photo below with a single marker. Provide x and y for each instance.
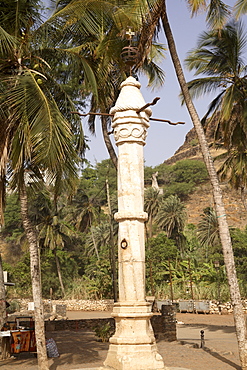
(80, 350)
(88, 349)
(222, 359)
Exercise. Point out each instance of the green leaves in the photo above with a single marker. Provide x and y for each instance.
(171, 216)
(42, 134)
(219, 56)
(219, 53)
(208, 229)
(218, 13)
(240, 8)
(7, 44)
(234, 168)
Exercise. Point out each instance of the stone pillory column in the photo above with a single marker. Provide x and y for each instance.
(133, 346)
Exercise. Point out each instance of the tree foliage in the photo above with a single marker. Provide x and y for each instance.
(220, 57)
(178, 179)
(87, 275)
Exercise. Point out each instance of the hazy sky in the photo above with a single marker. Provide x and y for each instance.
(163, 139)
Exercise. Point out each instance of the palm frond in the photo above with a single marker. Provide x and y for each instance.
(87, 16)
(155, 74)
(240, 8)
(8, 43)
(18, 17)
(214, 106)
(219, 56)
(208, 228)
(171, 215)
(196, 5)
(233, 168)
(217, 14)
(43, 134)
(80, 65)
(201, 86)
(219, 53)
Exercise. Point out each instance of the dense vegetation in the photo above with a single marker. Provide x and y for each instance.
(48, 70)
(75, 239)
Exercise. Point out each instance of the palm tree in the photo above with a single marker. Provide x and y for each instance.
(36, 138)
(208, 228)
(234, 170)
(54, 233)
(99, 237)
(171, 216)
(217, 193)
(86, 212)
(98, 25)
(22, 173)
(219, 56)
(35, 277)
(152, 201)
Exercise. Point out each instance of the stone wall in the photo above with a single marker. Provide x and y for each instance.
(164, 325)
(107, 305)
(72, 304)
(80, 324)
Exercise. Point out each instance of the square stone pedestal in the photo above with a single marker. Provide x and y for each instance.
(133, 345)
(129, 357)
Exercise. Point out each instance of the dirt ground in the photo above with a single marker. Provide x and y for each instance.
(81, 350)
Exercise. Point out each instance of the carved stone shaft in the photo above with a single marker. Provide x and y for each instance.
(133, 344)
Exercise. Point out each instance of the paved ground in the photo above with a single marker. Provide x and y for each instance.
(80, 350)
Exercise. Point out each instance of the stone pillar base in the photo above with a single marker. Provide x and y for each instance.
(133, 345)
(130, 357)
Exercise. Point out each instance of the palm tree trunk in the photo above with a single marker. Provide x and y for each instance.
(108, 142)
(150, 225)
(3, 315)
(242, 193)
(59, 272)
(36, 282)
(3, 162)
(218, 199)
(2, 296)
(112, 247)
(94, 243)
(150, 262)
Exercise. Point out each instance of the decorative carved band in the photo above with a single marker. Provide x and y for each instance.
(122, 216)
(130, 117)
(130, 132)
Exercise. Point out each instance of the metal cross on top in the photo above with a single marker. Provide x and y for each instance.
(129, 56)
(130, 53)
(130, 33)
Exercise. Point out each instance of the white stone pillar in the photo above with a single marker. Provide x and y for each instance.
(133, 345)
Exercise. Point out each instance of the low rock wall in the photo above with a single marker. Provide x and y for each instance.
(164, 326)
(72, 304)
(107, 305)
